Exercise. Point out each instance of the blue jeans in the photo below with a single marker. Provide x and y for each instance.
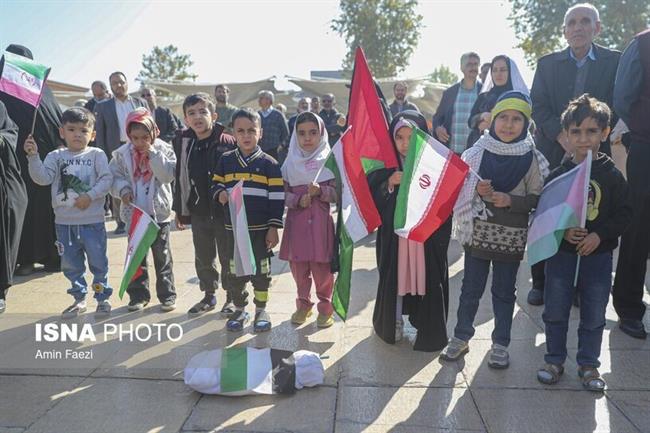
(76, 243)
(504, 276)
(594, 284)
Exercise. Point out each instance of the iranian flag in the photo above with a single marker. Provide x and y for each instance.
(432, 179)
(357, 215)
(142, 233)
(23, 78)
(243, 249)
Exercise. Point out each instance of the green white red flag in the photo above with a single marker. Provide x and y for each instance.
(142, 233)
(243, 257)
(23, 78)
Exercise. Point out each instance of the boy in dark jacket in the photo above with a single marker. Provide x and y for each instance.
(198, 150)
(586, 122)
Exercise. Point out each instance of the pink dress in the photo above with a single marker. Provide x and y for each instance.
(411, 270)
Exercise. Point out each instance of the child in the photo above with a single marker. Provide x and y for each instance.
(586, 123)
(143, 169)
(197, 151)
(80, 180)
(423, 298)
(264, 202)
(308, 238)
(491, 221)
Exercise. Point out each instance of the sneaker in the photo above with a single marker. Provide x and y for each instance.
(324, 320)
(227, 310)
(24, 270)
(454, 349)
(75, 309)
(300, 316)
(169, 305)
(208, 303)
(237, 321)
(137, 305)
(103, 308)
(499, 357)
(535, 297)
(399, 330)
(3, 306)
(262, 322)
(633, 328)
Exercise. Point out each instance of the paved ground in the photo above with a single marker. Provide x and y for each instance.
(370, 386)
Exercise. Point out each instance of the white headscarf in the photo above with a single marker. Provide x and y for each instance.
(301, 167)
(516, 79)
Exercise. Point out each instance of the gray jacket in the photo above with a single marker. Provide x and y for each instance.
(107, 126)
(163, 165)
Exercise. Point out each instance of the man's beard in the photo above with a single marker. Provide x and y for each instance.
(221, 99)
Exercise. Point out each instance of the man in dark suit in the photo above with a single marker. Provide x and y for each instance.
(582, 67)
(166, 121)
(100, 93)
(111, 125)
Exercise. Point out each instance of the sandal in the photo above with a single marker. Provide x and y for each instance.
(237, 321)
(262, 322)
(550, 373)
(591, 379)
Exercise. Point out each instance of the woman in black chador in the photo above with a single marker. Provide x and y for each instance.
(426, 298)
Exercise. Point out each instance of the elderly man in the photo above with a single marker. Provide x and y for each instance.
(583, 67)
(632, 104)
(400, 89)
(100, 93)
(111, 125)
(314, 107)
(224, 109)
(303, 105)
(275, 132)
(166, 121)
(334, 121)
(450, 121)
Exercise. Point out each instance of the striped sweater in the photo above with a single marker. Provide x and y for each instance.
(263, 187)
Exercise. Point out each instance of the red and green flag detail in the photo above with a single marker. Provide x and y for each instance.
(23, 78)
(433, 177)
(243, 257)
(142, 233)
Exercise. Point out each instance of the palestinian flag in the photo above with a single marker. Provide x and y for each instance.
(23, 78)
(245, 370)
(142, 233)
(357, 215)
(432, 179)
(368, 119)
(243, 256)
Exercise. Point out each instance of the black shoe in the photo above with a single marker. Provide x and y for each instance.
(535, 297)
(633, 328)
(137, 305)
(576, 299)
(120, 229)
(24, 270)
(204, 305)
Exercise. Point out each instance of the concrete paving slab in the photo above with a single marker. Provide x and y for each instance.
(635, 405)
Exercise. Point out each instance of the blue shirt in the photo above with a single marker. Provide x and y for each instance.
(460, 131)
(629, 79)
(590, 55)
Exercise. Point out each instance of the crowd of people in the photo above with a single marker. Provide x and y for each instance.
(56, 182)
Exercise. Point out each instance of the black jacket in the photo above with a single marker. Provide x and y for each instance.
(553, 89)
(445, 111)
(167, 123)
(610, 208)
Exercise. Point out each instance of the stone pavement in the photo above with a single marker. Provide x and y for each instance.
(370, 386)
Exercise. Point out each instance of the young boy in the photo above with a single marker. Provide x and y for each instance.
(80, 180)
(264, 201)
(586, 122)
(198, 150)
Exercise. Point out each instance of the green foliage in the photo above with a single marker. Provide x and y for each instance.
(442, 74)
(538, 23)
(387, 30)
(166, 64)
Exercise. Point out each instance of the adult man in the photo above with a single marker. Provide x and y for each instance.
(275, 132)
(450, 121)
(400, 89)
(100, 93)
(111, 125)
(303, 105)
(632, 104)
(223, 109)
(334, 121)
(583, 67)
(166, 121)
(485, 69)
(314, 107)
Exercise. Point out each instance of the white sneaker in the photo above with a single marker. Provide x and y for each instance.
(74, 310)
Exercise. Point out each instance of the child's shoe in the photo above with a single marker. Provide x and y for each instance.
(262, 322)
(168, 305)
(75, 309)
(454, 349)
(3, 306)
(208, 303)
(237, 321)
(499, 357)
(591, 379)
(324, 321)
(137, 305)
(228, 307)
(550, 374)
(103, 308)
(300, 316)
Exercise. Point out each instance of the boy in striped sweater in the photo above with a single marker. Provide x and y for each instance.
(264, 201)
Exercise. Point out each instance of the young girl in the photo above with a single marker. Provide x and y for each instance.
(143, 170)
(423, 296)
(491, 220)
(308, 238)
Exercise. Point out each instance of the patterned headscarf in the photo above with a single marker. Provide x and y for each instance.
(141, 166)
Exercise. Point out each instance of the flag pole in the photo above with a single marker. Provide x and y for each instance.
(34, 119)
(583, 217)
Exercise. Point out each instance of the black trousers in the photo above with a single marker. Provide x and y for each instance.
(138, 289)
(209, 237)
(262, 278)
(627, 291)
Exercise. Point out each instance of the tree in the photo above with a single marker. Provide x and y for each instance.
(166, 64)
(538, 24)
(387, 30)
(442, 74)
